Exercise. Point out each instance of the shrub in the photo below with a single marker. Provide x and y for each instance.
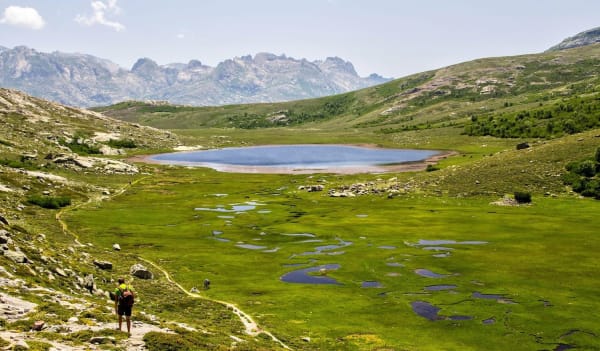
(82, 149)
(522, 197)
(431, 168)
(166, 342)
(38, 345)
(122, 143)
(51, 202)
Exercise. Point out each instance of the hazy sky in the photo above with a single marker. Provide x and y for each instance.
(391, 37)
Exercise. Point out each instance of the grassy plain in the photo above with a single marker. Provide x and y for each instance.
(541, 258)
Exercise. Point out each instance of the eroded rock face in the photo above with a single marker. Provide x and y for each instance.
(139, 271)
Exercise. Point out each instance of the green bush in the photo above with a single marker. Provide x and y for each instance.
(184, 341)
(82, 149)
(166, 342)
(522, 197)
(51, 202)
(122, 143)
(584, 176)
(38, 345)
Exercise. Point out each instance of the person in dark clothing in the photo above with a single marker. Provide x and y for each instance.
(124, 303)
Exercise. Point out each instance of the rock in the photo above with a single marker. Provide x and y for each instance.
(306, 338)
(107, 150)
(83, 162)
(38, 325)
(522, 146)
(103, 264)
(313, 188)
(194, 290)
(139, 271)
(16, 256)
(103, 340)
(116, 247)
(3, 220)
(5, 237)
(60, 272)
(89, 284)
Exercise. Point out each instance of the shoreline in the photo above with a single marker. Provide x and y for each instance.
(413, 166)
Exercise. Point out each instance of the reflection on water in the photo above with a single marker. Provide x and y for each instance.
(440, 287)
(302, 276)
(251, 247)
(429, 274)
(294, 156)
(371, 284)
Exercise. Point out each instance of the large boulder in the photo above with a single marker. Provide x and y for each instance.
(103, 264)
(139, 271)
(16, 256)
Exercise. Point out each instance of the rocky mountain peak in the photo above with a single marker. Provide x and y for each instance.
(588, 37)
(338, 64)
(144, 65)
(194, 64)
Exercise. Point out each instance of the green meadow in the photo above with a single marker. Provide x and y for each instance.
(436, 266)
(245, 231)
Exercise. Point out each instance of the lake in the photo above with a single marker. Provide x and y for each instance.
(296, 158)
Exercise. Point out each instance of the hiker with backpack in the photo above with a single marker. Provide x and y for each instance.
(124, 299)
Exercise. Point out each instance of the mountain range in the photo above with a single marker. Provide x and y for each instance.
(85, 80)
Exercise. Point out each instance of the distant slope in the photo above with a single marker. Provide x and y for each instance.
(38, 132)
(492, 90)
(85, 80)
(588, 37)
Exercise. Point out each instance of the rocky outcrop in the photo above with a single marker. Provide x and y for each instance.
(16, 256)
(85, 80)
(139, 271)
(105, 265)
(588, 37)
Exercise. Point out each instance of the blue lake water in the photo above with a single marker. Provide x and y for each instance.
(295, 156)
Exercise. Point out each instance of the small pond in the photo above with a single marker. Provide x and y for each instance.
(302, 276)
(293, 157)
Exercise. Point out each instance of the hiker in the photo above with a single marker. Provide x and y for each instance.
(124, 299)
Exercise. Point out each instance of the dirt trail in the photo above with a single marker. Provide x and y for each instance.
(251, 327)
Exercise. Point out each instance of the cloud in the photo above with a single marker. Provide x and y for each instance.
(26, 17)
(101, 9)
(180, 36)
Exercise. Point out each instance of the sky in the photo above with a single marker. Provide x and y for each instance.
(393, 38)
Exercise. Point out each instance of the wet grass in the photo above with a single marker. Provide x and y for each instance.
(541, 257)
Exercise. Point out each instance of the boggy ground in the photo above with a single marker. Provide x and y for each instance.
(197, 223)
